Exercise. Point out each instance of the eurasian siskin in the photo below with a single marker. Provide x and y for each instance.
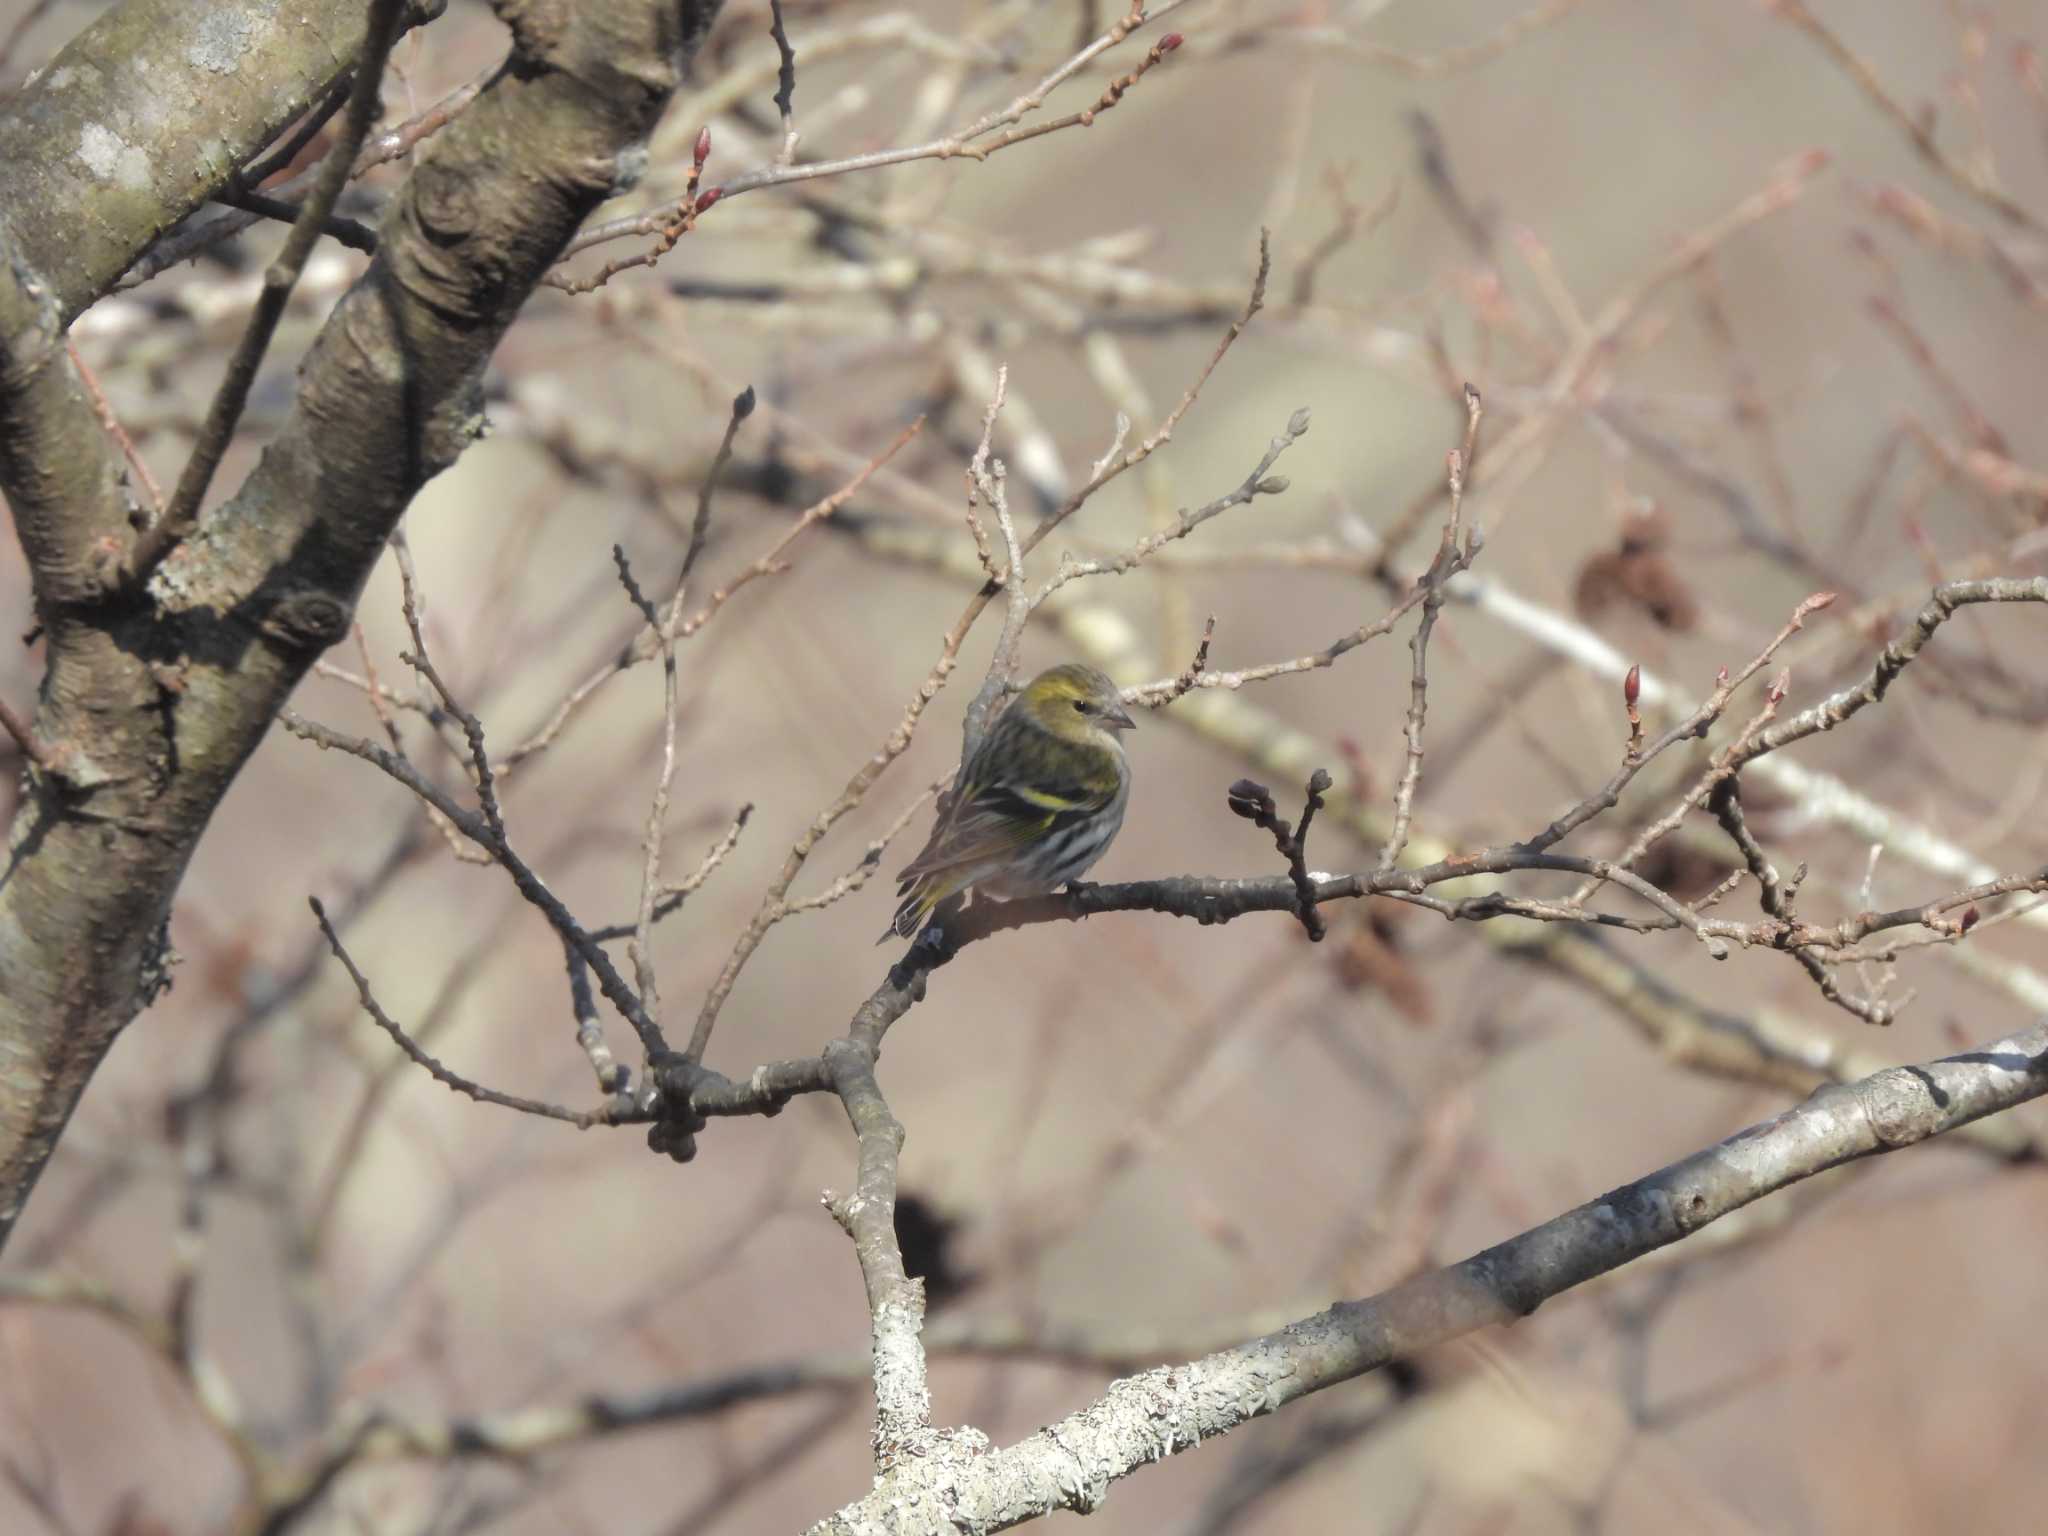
(1035, 806)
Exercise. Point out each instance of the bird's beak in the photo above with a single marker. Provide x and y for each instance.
(1119, 719)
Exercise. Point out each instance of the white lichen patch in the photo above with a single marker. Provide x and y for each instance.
(100, 150)
(149, 113)
(220, 40)
(630, 166)
(112, 158)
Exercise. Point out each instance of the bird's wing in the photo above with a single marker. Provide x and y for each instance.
(992, 820)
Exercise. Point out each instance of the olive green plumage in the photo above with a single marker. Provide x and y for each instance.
(1035, 806)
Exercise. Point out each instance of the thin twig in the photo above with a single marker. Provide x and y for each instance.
(986, 482)
(672, 897)
(252, 176)
(614, 1077)
(785, 82)
(1721, 766)
(104, 409)
(1941, 605)
(641, 950)
(1726, 804)
(871, 856)
(29, 16)
(488, 835)
(700, 525)
(1258, 483)
(1254, 802)
(582, 1120)
(773, 907)
(967, 142)
(670, 227)
(1192, 676)
(1919, 132)
(196, 236)
(352, 233)
(1692, 727)
(643, 647)
(1451, 557)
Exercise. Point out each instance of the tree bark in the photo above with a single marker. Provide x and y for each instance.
(959, 1482)
(145, 114)
(153, 700)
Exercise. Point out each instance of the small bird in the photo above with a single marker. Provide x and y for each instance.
(1037, 803)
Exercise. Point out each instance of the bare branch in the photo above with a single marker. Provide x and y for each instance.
(1726, 803)
(1451, 557)
(700, 525)
(972, 142)
(1254, 802)
(1978, 183)
(104, 409)
(903, 1404)
(785, 83)
(582, 1120)
(644, 646)
(1143, 1418)
(985, 482)
(196, 236)
(480, 830)
(1258, 483)
(641, 949)
(1821, 796)
(1941, 605)
(1693, 726)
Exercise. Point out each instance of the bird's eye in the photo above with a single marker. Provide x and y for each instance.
(1084, 706)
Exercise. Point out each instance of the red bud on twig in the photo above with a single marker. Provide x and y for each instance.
(703, 144)
(1970, 916)
(707, 197)
(1171, 41)
(1632, 690)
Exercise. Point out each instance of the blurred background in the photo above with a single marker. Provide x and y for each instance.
(1757, 298)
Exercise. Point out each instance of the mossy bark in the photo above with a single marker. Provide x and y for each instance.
(153, 701)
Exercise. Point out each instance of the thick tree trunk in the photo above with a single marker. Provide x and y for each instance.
(153, 701)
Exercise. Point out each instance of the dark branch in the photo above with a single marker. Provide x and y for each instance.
(357, 237)
(785, 73)
(700, 525)
(1254, 802)
(582, 1120)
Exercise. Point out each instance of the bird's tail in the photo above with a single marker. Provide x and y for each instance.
(921, 898)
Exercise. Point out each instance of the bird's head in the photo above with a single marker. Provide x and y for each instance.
(1076, 702)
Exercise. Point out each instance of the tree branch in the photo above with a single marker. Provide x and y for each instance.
(182, 515)
(168, 698)
(124, 135)
(1141, 1419)
(60, 473)
(903, 1403)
